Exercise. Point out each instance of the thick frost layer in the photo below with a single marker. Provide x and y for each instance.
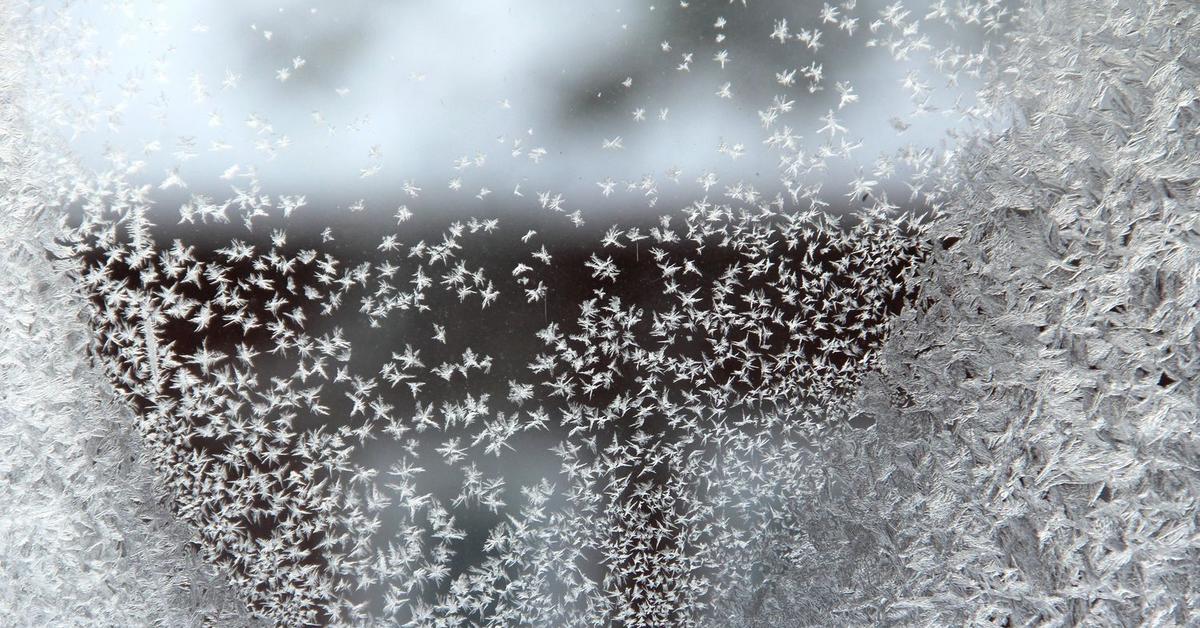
(1033, 460)
(84, 540)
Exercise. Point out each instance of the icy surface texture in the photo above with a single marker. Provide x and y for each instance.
(84, 539)
(1033, 456)
(952, 384)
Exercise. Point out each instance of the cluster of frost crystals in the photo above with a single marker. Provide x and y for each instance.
(737, 405)
(84, 539)
(1033, 455)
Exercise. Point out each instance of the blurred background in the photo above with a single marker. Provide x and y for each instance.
(468, 99)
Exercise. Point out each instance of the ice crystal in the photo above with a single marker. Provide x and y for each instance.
(651, 373)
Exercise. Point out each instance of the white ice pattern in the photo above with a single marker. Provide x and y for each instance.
(749, 409)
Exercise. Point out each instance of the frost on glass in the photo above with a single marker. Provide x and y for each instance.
(748, 314)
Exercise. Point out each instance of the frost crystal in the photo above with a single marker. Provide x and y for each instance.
(263, 363)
